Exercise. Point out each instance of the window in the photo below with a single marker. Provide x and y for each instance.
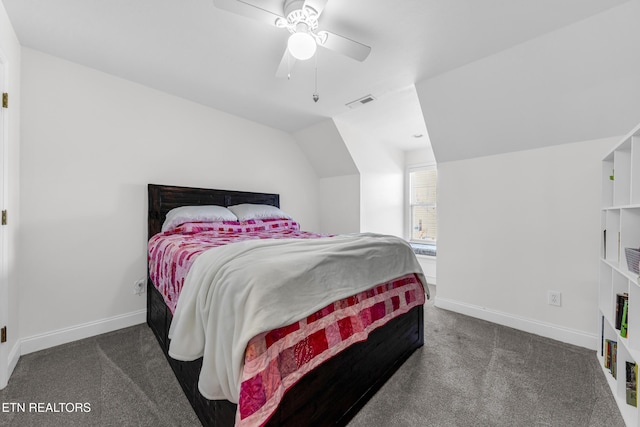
(423, 217)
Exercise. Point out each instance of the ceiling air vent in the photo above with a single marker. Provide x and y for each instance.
(360, 102)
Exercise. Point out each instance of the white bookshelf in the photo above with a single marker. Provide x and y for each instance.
(620, 218)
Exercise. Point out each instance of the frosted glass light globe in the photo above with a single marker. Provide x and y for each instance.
(301, 45)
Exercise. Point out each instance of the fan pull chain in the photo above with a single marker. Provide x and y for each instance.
(316, 97)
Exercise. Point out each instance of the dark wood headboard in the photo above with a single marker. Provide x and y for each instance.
(163, 198)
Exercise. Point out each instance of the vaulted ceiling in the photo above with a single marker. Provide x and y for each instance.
(194, 50)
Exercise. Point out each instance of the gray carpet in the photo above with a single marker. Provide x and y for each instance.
(469, 373)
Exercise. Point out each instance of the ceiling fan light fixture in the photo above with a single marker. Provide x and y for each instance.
(301, 45)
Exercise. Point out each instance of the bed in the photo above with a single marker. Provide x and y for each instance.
(326, 395)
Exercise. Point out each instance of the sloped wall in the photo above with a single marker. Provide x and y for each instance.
(574, 84)
(339, 178)
(381, 181)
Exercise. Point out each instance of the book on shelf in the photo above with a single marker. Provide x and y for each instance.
(624, 325)
(611, 357)
(632, 383)
(602, 338)
(620, 299)
(614, 359)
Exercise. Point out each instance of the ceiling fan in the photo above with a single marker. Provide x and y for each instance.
(300, 18)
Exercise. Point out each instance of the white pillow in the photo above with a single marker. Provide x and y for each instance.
(247, 211)
(204, 213)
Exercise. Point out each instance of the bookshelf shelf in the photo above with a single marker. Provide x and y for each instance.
(619, 285)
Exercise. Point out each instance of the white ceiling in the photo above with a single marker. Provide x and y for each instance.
(191, 49)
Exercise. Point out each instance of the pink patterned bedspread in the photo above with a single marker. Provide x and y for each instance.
(172, 253)
(276, 360)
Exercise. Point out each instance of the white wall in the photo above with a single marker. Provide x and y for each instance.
(9, 316)
(91, 142)
(514, 226)
(340, 204)
(381, 181)
(382, 203)
(339, 179)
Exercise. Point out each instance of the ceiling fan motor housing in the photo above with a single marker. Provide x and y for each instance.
(296, 14)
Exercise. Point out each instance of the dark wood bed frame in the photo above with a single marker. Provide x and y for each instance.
(331, 394)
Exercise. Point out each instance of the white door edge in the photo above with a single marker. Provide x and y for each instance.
(4, 291)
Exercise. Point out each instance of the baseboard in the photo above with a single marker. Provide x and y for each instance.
(86, 330)
(548, 330)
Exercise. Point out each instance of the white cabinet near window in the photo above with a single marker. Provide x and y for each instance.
(619, 293)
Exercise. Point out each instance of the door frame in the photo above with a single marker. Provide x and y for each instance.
(4, 290)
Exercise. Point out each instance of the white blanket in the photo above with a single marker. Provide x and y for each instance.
(235, 292)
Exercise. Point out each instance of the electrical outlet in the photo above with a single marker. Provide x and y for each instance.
(139, 286)
(554, 298)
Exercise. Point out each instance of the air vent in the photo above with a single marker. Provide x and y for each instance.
(360, 102)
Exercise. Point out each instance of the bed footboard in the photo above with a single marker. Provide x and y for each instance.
(330, 395)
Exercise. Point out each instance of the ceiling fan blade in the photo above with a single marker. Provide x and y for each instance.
(317, 5)
(245, 8)
(345, 46)
(286, 65)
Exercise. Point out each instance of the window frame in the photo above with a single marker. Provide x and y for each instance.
(409, 205)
